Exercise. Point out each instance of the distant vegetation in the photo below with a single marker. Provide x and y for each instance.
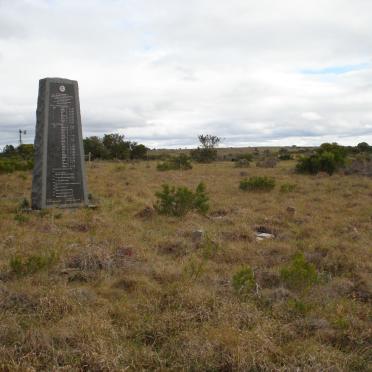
(113, 146)
(328, 157)
(331, 157)
(207, 152)
(284, 154)
(179, 162)
(16, 158)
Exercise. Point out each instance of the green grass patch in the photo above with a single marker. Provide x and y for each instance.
(257, 184)
(28, 265)
(288, 187)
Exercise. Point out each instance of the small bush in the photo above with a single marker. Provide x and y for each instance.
(267, 163)
(180, 162)
(257, 184)
(21, 218)
(24, 204)
(299, 274)
(284, 154)
(242, 163)
(362, 165)
(209, 247)
(201, 200)
(178, 202)
(308, 164)
(246, 156)
(194, 269)
(24, 266)
(298, 308)
(243, 281)
(288, 187)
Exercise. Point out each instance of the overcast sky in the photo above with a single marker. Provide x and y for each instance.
(254, 72)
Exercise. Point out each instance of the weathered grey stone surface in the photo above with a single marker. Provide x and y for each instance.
(59, 170)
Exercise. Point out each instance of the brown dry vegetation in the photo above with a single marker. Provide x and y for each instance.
(122, 288)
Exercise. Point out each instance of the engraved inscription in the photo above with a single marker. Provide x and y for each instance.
(63, 164)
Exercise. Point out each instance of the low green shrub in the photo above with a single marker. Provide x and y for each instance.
(208, 247)
(180, 162)
(194, 269)
(257, 184)
(288, 187)
(21, 218)
(179, 201)
(9, 165)
(243, 281)
(246, 156)
(24, 204)
(297, 307)
(242, 163)
(299, 274)
(31, 264)
(267, 163)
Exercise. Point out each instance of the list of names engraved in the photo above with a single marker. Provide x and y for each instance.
(64, 161)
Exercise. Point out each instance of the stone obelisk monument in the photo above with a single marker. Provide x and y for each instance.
(59, 170)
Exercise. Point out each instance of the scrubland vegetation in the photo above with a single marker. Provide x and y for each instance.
(166, 273)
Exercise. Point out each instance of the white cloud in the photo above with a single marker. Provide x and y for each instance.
(311, 116)
(164, 71)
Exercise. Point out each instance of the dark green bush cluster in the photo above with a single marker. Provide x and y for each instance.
(328, 158)
(363, 147)
(180, 162)
(29, 265)
(257, 184)
(243, 281)
(17, 158)
(284, 154)
(24, 151)
(299, 274)
(179, 201)
(9, 165)
(113, 146)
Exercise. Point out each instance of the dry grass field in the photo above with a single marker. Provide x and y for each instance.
(121, 287)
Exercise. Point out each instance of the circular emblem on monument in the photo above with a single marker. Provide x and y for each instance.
(62, 88)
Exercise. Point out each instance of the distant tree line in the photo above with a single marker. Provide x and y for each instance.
(16, 158)
(113, 146)
(330, 157)
(24, 151)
